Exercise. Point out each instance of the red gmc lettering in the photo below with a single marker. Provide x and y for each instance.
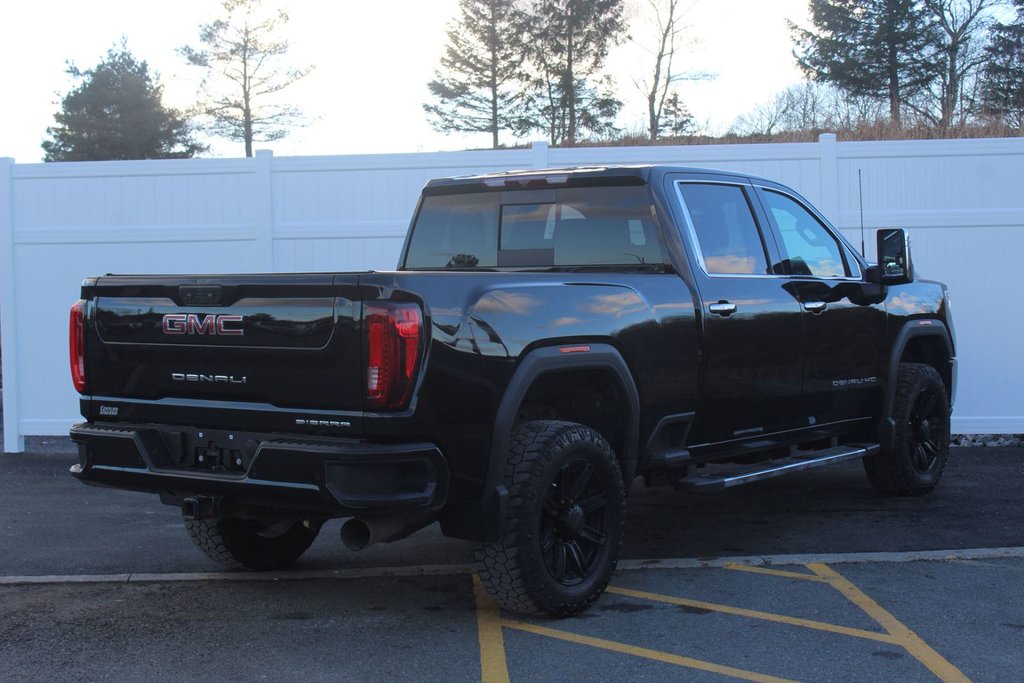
(207, 326)
(221, 319)
(174, 323)
(191, 323)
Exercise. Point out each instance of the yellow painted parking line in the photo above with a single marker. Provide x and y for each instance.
(493, 664)
(664, 657)
(904, 637)
(775, 572)
(757, 614)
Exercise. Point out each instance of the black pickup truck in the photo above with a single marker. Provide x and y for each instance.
(548, 337)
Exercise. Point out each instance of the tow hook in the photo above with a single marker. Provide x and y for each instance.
(198, 508)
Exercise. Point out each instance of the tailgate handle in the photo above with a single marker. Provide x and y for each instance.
(200, 294)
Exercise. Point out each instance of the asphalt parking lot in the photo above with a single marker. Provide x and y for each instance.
(810, 577)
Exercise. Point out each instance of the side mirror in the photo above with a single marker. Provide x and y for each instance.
(895, 266)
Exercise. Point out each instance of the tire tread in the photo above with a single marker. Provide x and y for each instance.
(498, 564)
(885, 470)
(228, 543)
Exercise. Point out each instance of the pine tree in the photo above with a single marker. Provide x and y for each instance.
(241, 55)
(567, 44)
(116, 112)
(675, 118)
(1003, 84)
(474, 90)
(874, 48)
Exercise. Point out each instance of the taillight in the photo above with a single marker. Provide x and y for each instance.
(393, 341)
(76, 345)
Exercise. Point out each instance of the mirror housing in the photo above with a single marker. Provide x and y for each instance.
(895, 266)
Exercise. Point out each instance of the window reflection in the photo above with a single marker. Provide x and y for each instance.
(727, 234)
(596, 226)
(807, 245)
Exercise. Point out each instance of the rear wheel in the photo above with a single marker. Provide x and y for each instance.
(563, 524)
(921, 410)
(252, 544)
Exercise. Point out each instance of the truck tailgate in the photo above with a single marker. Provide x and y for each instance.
(278, 341)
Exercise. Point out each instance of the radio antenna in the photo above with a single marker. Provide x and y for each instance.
(860, 192)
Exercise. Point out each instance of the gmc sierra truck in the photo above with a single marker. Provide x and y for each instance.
(548, 337)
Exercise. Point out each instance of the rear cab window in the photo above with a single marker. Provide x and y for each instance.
(574, 227)
(721, 222)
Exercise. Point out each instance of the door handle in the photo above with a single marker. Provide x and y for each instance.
(815, 306)
(723, 308)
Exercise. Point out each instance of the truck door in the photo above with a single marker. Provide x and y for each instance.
(751, 322)
(844, 330)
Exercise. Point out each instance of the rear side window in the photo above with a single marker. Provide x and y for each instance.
(572, 227)
(724, 227)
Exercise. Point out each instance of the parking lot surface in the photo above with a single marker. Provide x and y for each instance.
(810, 577)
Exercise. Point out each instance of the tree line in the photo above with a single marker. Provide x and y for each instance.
(537, 66)
(116, 111)
(519, 68)
(936, 64)
(534, 66)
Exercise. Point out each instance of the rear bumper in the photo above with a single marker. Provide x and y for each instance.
(330, 477)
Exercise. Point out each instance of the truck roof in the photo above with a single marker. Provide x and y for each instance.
(638, 174)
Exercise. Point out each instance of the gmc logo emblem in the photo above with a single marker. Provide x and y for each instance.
(190, 323)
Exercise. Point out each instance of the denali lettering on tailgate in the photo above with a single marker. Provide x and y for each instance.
(200, 377)
(190, 323)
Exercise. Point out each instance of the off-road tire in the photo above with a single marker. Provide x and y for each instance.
(563, 521)
(248, 544)
(914, 465)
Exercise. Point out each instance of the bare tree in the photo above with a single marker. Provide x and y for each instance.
(765, 119)
(962, 27)
(240, 53)
(810, 107)
(667, 19)
(1002, 88)
(847, 113)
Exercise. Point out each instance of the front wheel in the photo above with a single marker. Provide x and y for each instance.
(563, 524)
(915, 464)
(252, 544)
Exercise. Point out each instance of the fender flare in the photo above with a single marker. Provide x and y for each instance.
(531, 366)
(911, 330)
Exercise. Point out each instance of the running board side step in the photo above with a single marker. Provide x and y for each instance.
(718, 477)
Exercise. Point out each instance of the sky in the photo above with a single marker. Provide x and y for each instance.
(372, 63)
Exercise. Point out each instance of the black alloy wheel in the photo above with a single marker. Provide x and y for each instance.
(914, 464)
(573, 523)
(562, 525)
(928, 423)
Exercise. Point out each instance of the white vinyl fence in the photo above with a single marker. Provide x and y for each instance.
(962, 201)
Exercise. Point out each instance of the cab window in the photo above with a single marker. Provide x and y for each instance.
(808, 248)
(723, 225)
